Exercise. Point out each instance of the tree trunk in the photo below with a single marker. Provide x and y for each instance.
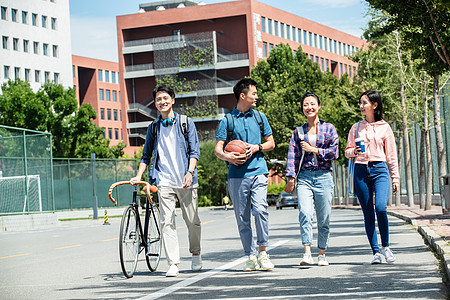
(429, 163)
(398, 200)
(408, 171)
(442, 166)
(422, 191)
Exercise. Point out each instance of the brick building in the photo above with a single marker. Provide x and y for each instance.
(203, 50)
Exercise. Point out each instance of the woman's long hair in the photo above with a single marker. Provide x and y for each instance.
(375, 97)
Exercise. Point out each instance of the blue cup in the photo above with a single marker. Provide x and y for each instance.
(359, 142)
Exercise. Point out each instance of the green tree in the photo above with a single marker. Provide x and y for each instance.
(54, 109)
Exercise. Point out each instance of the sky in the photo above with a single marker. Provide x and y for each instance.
(94, 32)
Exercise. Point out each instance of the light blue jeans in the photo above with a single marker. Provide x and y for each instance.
(315, 188)
(249, 198)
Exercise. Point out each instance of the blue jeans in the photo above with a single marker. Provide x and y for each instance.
(315, 188)
(370, 179)
(249, 196)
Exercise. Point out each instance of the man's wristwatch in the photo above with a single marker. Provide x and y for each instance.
(260, 147)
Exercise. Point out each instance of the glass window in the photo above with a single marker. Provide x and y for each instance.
(325, 43)
(102, 113)
(118, 80)
(276, 24)
(4, 13)
(17, 73)
(106, 76)
(340, 48)
(345, 68)
(270, 47)
(55, 51)
(37, 76)
(56, 78)
(46, 76)
(5, 42)
(36, 47)
(116, 133)
(25, 46)
(6, 72)
(311, 57)
(101, 94)
(263, 24)
(109, 133)
(340, 69)
(282, 30)
(320, 42)
(34, 18)
(310, 37)
(14, 15)
(295, 37)
(305, 37)
(24, 17)
(73, 71)
(288, 32)
(108, 95)
(108, 114)
(53, 23)
(115, 115)
(45, 49)
(270, 26)
(100, 75)
(113, 77)
(316, 42)
(114, 93)
(321, 64)
(15, 44)
(326, 64)
(335, 47)
(27, 74)
(119, 96)
(265, 49)
(44, 21)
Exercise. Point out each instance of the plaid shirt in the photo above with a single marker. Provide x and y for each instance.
(327, 143)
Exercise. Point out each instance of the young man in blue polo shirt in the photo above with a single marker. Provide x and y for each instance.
(247, 176)
(174, 171)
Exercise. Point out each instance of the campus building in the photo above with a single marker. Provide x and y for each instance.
(35, 43)
(97, 82)
(203, 50)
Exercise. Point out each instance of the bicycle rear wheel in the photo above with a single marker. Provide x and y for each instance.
(129, 242)
(153, 238)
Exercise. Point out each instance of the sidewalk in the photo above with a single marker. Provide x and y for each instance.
(432, 224)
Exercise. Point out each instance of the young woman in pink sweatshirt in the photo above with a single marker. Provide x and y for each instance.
(372, 167)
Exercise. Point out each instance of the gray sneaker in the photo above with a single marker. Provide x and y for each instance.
(322, 261)
(307, 260)
(377, 258)
(388, 255)
(251, 264)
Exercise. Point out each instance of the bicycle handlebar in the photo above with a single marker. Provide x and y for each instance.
(149, 188)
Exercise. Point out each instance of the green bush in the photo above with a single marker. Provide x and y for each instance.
(204, 201)
(276, 188)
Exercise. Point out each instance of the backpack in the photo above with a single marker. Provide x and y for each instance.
(184, 130)
(231, 129)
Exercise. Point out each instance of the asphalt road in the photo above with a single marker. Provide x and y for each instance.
(79, 260)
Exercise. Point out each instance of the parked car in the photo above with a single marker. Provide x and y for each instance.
(272, 198)
(287, 200)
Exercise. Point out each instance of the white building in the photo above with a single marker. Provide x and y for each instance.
(35, 42)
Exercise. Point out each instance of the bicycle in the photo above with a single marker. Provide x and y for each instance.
(132, 239)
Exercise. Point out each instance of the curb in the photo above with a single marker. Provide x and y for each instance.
(436, 242)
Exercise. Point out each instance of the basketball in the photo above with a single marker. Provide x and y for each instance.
(236, 146)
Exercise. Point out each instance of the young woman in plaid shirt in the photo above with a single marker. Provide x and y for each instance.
(315, 185)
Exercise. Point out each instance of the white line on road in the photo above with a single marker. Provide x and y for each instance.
(189, 281)
(334, 295)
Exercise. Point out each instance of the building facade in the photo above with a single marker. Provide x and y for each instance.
(35, 42)
(203, 50)
(97, 82)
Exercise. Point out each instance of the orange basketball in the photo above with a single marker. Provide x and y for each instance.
(236, 146)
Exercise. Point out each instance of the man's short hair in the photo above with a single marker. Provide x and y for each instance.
(163, 88)
(243, 86)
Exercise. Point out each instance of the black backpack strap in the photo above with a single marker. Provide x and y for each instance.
(184, 126)
(260, 122)
(230, 129)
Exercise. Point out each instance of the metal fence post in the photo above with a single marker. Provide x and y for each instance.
(94, 192)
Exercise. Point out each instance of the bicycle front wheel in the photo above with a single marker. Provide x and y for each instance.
(129, 242)
(153, 238)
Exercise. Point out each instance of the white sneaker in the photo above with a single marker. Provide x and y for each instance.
(388, 255)
(307, 260)
(196, 263)
(173, 271)
(322, 260)
(264, 261)
(377, 258)
(251, 264)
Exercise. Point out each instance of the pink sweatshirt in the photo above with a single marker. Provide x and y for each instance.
(380, 145)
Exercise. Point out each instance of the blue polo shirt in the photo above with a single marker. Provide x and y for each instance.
(246, 128)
